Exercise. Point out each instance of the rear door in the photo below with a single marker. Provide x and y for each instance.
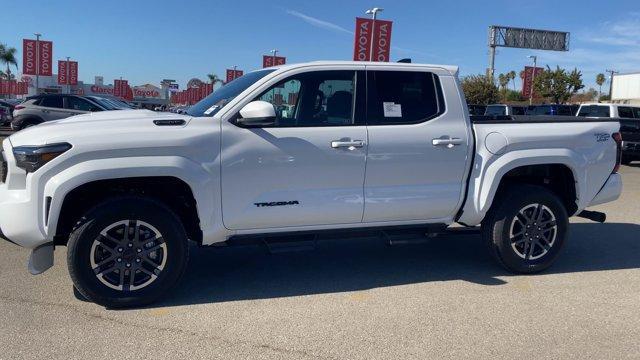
(419, 145)
(307, 169)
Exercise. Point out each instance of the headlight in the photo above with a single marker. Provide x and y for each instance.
(32, 158)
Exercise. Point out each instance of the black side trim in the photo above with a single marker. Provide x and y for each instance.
(170, 122)
(524, 119)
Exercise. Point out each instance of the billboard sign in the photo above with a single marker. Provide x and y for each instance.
(505, 36)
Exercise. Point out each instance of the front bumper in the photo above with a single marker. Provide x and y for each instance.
(610, 191)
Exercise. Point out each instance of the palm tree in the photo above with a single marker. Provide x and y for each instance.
(8, 56)
(215, 79)
(600, 79)
(512, 75)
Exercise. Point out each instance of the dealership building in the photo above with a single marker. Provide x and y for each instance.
(146, 95)
(625, 89)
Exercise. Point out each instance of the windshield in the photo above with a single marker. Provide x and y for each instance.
(211, 104)
(105, 103)
(496, 110)
(594, 111)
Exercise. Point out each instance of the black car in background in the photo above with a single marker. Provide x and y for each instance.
(477, 110)
(552, 109)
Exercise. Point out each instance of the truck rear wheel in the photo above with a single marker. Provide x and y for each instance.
(127, 252)
(526, 228)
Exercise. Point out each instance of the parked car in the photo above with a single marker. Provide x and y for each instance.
(41, 108)
(609, 110)
(501, 110)
(108, 103)
(6, 110)
(477, 109)
(552, 109)
(629, 117)
(395, 153)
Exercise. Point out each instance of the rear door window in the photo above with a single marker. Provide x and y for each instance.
(496, 110)
(519, 110)
(52, 102)
(75, 103)
(402, 97)
(565, 111)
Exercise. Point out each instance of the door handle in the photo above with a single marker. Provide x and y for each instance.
(46, 111)
(447, 141)
(347, 144)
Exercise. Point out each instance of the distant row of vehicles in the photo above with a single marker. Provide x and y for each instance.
(629, 118)
(47, 107)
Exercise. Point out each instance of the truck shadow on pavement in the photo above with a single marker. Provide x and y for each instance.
(245, 273)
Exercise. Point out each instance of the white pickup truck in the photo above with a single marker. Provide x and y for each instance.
(297, 149)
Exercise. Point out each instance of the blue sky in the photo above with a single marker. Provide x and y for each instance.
(146, 41)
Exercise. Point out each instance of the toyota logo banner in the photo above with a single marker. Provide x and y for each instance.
(377, 32)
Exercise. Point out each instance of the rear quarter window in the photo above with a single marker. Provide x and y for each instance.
(625, 112)
(594, 111)
(496, 110)
(52, 102)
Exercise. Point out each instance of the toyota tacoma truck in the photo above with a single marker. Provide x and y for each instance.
(295, 150)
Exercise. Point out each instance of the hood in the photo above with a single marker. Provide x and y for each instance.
(98, 123)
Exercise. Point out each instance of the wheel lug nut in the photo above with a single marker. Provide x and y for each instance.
(128, 265)
(120, 249)
(138, 260)
(139, 250)
(130, 245)
(119, 260)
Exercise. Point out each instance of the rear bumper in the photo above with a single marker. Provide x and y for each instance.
(610, 191)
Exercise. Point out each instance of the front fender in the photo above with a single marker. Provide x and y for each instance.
(489, 170)
(202, 182)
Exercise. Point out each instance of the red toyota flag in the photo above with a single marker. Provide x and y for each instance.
(230, 75)
(28, 57)
(527, 82)
(117, 88)
(269, 61)
(125, 87)
(13, 87)
(45, 57)
(362, 41)
(382, 40)
(62, 72)
(3, 89)
(73, 72)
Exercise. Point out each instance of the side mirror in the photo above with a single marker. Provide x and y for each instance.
(257, 114)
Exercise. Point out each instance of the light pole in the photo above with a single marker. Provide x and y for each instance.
(533, 76)
(373, 12)
(612, 72)
(37, 61)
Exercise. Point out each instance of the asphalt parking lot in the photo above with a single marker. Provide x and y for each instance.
(357, 300)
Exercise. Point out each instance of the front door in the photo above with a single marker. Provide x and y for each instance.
(308, 168)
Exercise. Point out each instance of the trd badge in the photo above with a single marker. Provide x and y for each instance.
(277, 203)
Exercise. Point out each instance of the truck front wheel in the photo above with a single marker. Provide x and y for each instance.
(526, 228)
(127, 252)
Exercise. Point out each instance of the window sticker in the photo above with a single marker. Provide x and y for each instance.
(211, 109)
(392, 109)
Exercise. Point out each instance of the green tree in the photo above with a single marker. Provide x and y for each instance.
(214, 79)
(558, 85)
(8, 57)
(512, 76)
(600, 79)
(480, 90)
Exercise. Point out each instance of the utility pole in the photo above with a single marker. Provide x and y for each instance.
(67, 76)
(533, 76)
(37, 62)
(373, 12)
(612, 72)
(492, 52)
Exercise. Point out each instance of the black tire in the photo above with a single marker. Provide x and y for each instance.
(497, 228)
(148, 217)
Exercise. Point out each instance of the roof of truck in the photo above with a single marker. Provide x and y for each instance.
(452, 69)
